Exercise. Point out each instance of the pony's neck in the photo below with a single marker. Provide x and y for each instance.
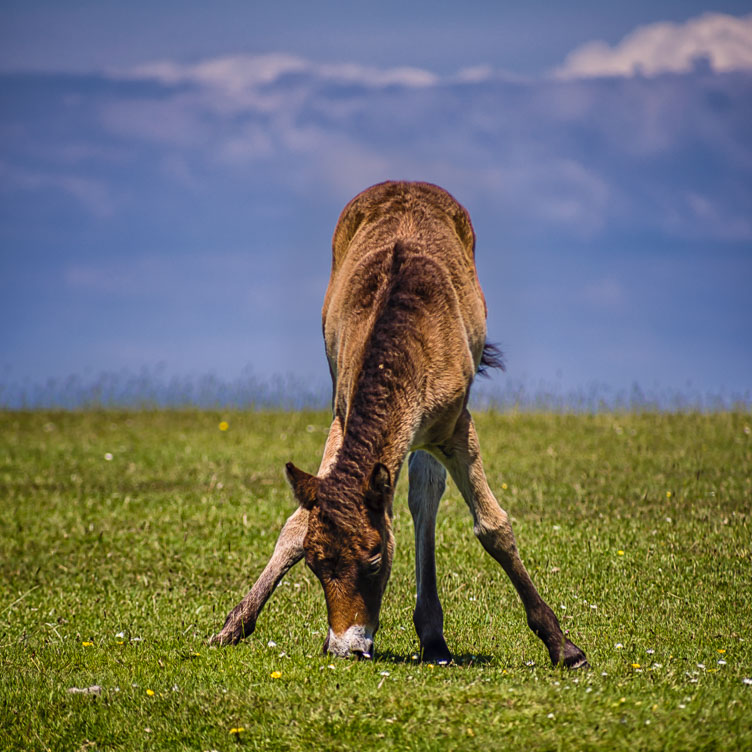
(379, 427)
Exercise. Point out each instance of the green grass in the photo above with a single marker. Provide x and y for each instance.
(160, 541)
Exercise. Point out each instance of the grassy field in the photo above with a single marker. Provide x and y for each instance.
(126, 537)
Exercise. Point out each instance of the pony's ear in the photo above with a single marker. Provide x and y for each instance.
(304, 486)
(379, 492)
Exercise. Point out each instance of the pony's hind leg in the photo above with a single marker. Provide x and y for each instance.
(492, 527)
(427, 481)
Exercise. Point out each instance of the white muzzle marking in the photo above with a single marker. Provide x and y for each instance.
(357, 639)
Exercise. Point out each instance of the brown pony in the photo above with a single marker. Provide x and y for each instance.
(404, 323)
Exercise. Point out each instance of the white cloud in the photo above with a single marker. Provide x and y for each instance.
(575, 155)
(232, 72)
(557, 153)
(724, 41)
(240, 73)
(475, 74)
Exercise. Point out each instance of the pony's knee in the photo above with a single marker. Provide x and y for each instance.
(494, 530)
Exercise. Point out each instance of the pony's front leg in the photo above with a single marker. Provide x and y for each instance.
(427, 483)
(288, 551)
(241, 621)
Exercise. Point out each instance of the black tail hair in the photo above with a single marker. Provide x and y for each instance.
(492, 357)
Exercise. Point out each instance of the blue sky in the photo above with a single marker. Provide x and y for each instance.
(171, 173)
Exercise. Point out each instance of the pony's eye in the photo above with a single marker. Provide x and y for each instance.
(373, 565)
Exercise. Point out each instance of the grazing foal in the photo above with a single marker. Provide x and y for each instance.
(404, 324)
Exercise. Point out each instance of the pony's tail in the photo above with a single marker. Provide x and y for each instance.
(492, 357)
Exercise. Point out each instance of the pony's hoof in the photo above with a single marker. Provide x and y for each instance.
(574, 658)
(220, 639)
(436, 651)
(231, 634)
(579, 663)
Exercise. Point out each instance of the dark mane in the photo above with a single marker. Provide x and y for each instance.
(385, 373)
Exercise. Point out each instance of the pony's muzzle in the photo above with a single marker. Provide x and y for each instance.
(356, 640)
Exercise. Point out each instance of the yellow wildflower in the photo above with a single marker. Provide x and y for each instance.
(275, 674)
(237, 730)
(223, 425)
(150, 692)
(620, 552)
(87, 644)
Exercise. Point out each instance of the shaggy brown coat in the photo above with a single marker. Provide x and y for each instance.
(404, 323)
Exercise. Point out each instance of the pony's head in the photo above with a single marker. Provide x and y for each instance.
(349, 546)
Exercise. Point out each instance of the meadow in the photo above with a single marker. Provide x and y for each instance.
(126, 536)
